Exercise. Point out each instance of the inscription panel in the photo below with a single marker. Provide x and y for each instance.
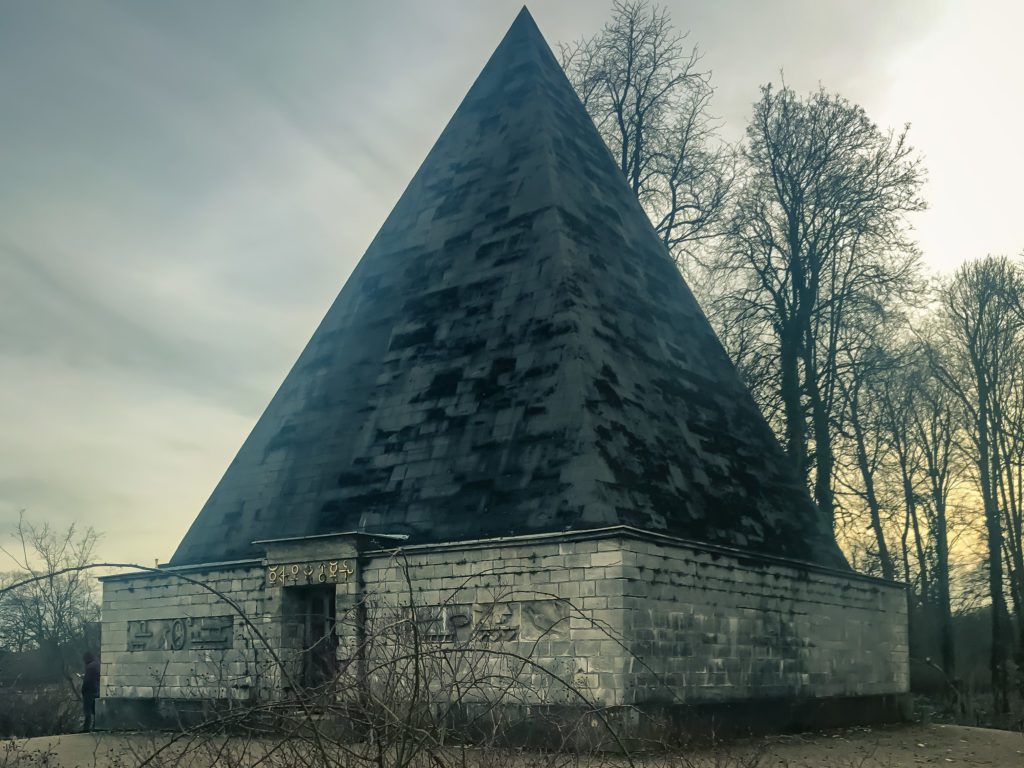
(494, 622)
(188, 633)
(315, 572)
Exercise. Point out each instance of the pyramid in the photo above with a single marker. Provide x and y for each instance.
(515, 353)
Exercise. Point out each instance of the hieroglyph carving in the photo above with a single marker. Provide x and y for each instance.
(494, 622)
(317, 572)
(204, 633)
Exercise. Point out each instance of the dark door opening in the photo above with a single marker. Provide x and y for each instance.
(311, 610)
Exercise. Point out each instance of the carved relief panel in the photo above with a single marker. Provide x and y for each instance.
(188, 633)
(495, 622)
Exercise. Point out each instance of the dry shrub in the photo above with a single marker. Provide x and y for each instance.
(40, 711)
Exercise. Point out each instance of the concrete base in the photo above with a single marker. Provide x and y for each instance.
(156, 714)
(641, 727)
(680, 723)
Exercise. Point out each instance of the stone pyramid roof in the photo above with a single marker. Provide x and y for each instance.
(515, 353)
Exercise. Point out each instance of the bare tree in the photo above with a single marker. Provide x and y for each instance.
(934, 423)
(818, 234)
(50, 613)
(866, 447)
(983, 338)
(649, 99)
(896, 398)
(45, 626)
(898, 463)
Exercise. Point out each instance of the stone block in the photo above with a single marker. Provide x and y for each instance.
(608, 587)
(603, 558)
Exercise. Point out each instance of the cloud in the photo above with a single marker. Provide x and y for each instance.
(85, 446)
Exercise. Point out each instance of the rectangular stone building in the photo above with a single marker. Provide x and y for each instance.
(679, 629)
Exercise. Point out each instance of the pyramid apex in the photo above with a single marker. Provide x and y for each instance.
(524, 24)
(524, 15)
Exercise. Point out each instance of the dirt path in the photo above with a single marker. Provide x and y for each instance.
(896, 747)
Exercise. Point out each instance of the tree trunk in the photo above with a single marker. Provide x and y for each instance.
(824, 463)
(789, 389)
(922, 562)
(999, 654)
(824, 459)
(942, 586)
(870, 496)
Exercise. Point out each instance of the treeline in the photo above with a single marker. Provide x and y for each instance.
(45, 627)
(897, 393)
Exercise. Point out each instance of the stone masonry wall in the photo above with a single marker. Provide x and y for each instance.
(623, 618)
(166, 637)
(650, 622)
(553, 603)
(709, 626)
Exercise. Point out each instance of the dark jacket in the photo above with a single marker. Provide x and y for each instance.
(91, 679)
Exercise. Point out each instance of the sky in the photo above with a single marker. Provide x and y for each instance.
(185, 186)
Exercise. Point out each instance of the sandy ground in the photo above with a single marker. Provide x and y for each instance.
(896, 747)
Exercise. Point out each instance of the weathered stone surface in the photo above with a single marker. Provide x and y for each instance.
(165, 636)
(515, 353)
(183, 633)
(628, 618)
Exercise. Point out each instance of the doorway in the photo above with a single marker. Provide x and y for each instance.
(311, 617)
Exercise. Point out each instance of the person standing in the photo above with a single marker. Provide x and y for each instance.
(90, 690)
